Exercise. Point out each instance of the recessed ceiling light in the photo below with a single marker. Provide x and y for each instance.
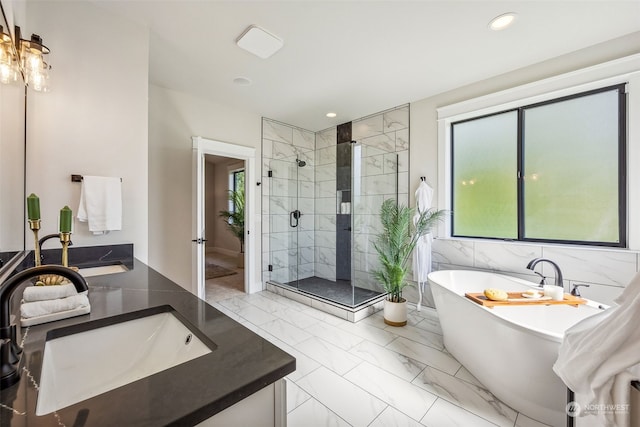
(331, 115)
(259, 41)
(242, 81)
(503, 21)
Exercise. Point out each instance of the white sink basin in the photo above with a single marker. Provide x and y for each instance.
(103, 269)
(80, 365)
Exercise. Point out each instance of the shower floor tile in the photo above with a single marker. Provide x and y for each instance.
(339, 291)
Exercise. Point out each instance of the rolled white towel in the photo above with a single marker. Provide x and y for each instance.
(42, 293)
(41, 308)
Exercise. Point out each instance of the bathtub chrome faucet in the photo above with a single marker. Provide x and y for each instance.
(9, 348)
(532, 264)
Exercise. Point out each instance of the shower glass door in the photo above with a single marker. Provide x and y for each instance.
(285, 219)
(375, 178)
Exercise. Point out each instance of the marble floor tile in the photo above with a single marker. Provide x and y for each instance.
(376, 319)
(463, 374)
(255, 315)
(341, 396)
(395, 363)
(329, 355)
(335, 387)
(369, 332)
(224, 310)
(425, 354)
(314, 414)
(392, 417)
(295, 396)
(524, 421)
(445, 414)
(234, 304)
(304, 364)
(418, 335)
(285, 331)
(431, 325)
(267, 304)
(296, 317)
(285, 301)
(334, 335)
(324, 317)
(477, 400)
(402, 395)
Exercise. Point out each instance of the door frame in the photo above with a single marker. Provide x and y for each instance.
(201, 147)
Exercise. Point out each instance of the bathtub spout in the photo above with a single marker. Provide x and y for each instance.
(532, 264)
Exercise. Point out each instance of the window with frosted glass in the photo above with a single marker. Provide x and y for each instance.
(484, 172)
(553, 171)
(571, 169)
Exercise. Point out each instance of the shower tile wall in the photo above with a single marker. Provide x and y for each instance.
(290, 251)
(384, 142)
(384, 146)
(325, 232)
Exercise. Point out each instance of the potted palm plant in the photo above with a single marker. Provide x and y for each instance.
(235, 219)
(394, 245)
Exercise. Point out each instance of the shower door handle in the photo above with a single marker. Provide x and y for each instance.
(294, 217)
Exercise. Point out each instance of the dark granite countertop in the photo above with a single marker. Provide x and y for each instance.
(242, 363)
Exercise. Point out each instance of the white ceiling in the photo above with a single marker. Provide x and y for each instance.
(360, 57)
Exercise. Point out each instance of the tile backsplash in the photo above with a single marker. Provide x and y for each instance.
(606, 271)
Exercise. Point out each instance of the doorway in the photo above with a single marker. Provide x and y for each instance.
(206, 220)
(224, 215)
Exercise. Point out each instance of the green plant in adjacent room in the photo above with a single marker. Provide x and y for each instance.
(235, 218)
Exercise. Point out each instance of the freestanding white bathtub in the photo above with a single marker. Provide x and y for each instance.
(511, 350)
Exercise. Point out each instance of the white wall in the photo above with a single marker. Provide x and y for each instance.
(175, 117)
(606, 270)
(94, 120)
(12, 213)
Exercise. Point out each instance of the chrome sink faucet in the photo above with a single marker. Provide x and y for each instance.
(9, 348)
(532, 264)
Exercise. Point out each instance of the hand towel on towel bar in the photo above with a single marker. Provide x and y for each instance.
(101, 203)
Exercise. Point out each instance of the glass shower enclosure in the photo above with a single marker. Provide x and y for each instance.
(323, 216)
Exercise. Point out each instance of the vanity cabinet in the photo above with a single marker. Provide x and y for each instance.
(265, 408)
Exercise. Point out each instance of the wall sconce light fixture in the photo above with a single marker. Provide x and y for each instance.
(26, 58)
(35, 69)
(8, 65)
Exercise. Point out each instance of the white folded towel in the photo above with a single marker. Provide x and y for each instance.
(41, 308)
(42, 293)
(101, 203)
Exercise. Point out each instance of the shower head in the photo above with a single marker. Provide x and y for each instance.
(301, 163)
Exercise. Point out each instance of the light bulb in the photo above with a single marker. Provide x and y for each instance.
(35, 61)
(5, 74)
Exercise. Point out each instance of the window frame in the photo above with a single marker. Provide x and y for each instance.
(622, 170)
(233, 185)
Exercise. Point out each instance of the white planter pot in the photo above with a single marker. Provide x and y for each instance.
(395, 313)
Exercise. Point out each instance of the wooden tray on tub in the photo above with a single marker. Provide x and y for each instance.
(516, 298)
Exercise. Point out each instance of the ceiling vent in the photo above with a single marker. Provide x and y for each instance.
(260, 42)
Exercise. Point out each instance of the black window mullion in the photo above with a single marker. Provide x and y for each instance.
(521, 174)
(622, 164)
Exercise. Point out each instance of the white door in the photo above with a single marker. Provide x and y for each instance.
(201, 147)
(197, 224)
